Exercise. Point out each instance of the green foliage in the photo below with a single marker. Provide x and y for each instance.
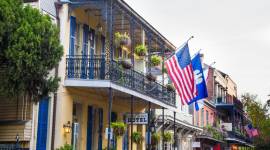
(155, 60)
(65, 147)
(10, 11)
(155, 138)
(259, 116)
(111, 148)
(137, 137)
(121, 39)
(140, 50)
(213, 132)
(30, 47)
(118, 128)
(168, 137)
(170, 87)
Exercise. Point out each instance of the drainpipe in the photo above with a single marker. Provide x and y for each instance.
(57, 7)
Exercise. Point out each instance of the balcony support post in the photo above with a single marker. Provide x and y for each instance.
(131, 112)
(109, 117)
(132, 39)
(111, 26)
(163, 127)
(149, 127)
(174, 130)
(149, 39)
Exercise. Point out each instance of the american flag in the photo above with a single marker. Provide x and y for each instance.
(180, 71)
(251, 131)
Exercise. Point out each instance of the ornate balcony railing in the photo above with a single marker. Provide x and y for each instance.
(97, 68)
(243, 137)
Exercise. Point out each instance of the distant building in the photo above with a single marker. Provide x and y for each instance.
(222, 116)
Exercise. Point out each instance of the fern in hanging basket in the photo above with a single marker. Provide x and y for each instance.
(170, 87)
(137, 137)
(155, 60)
(121, 39)
(118, 128)
(140, 50)
(65, 147)
(168, 137)
(155, 138)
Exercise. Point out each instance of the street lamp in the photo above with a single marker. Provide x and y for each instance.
(67, 127)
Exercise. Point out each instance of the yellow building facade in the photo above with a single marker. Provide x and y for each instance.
(95, 89)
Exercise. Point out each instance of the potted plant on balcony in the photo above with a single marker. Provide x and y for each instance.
(155, 60)
(140, 50)
(137, 137)
(155, 138)
(125, 64)
(151, 77)
(65, 147)
(168, 137)
(170, 87)
(118, 128)
(121, 39)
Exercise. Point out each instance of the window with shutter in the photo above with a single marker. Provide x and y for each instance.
(71, 46)
(78, 39)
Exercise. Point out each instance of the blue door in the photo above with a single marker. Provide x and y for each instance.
(42, 124)
(90, 123)
(100, 128)
(84, 52)
(71, 63)
(92, 47)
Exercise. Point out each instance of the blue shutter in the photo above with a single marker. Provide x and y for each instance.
(102, 66)
(71, 47)
(42, 124)
(100, 114)
(84, 52)
(92, 45)
(90, 128)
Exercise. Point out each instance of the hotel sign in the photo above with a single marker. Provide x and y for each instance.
(226, 126)
(138, 118)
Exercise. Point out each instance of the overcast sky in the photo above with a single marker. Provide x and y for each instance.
(234, 33)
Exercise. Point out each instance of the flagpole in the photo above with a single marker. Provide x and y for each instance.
(180, 47)
(196, 53)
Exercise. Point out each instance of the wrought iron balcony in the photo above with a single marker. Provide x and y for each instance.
(240, 136)
(97, 68)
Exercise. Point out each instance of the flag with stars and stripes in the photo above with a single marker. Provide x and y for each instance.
(180, 71)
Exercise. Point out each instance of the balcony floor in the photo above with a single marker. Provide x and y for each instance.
(84, 83)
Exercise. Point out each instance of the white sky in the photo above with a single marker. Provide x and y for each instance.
(234, 33)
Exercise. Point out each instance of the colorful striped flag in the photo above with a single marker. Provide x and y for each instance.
(180, 71)
(251, 131)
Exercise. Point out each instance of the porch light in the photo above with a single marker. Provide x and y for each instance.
(67, 127)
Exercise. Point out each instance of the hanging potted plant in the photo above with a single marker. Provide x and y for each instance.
(121, 39)
(140, 50)
(168, 137)
(65, 147)
(151, 77)
(137, 137)
(125, 64)
(155, 138)
(170, 87)
(118, 128)
(155, 60)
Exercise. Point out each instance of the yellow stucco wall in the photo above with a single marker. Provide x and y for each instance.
(84, 96)
(97, 100)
